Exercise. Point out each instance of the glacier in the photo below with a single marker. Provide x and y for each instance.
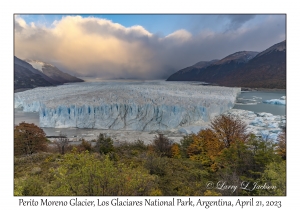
(126, 105)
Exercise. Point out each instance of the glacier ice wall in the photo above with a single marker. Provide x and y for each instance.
(126, 105)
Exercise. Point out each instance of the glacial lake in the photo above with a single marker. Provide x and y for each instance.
(253, 101)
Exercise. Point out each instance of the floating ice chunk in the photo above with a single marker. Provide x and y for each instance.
(275, 131)
(245, 101)
(258, 121)
(262, 124)
(264, 114)
(273, 125)
(275, 101)
(267, 135)
(264, 133)
(238, 103)
(272, 118)
(273, 136)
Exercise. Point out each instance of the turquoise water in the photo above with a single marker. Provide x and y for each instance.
(253, 101)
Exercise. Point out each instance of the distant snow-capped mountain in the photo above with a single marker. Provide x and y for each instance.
(52, 71)
(38, 74)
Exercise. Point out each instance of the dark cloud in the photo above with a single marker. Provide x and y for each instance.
(236, 21)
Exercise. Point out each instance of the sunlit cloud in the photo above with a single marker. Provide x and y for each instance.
(98, 47)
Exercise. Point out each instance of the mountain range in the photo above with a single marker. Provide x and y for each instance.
(32, 73)
(266, 69)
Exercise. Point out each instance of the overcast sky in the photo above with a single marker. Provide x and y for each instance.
(140, 46)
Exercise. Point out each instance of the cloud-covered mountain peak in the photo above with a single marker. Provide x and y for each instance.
(38, 64)
(281, 46)
(240, 57)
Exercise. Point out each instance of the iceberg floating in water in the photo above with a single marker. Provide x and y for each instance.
(123, 105)
(276, 101)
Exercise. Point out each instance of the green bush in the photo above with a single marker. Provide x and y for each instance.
(163, 145)
(32, 187)
(104, 144)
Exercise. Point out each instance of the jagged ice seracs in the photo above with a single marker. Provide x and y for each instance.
(126, 105)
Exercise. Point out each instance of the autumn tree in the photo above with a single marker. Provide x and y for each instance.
(205, 141)
(229, 129)
(205, 147)
(29, 139)
(175, 150)
(85, 146)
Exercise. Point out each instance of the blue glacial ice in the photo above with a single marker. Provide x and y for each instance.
(263, 124)
(123, 105)
(281, 101)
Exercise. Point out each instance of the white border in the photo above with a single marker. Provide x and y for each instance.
(156, 6)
